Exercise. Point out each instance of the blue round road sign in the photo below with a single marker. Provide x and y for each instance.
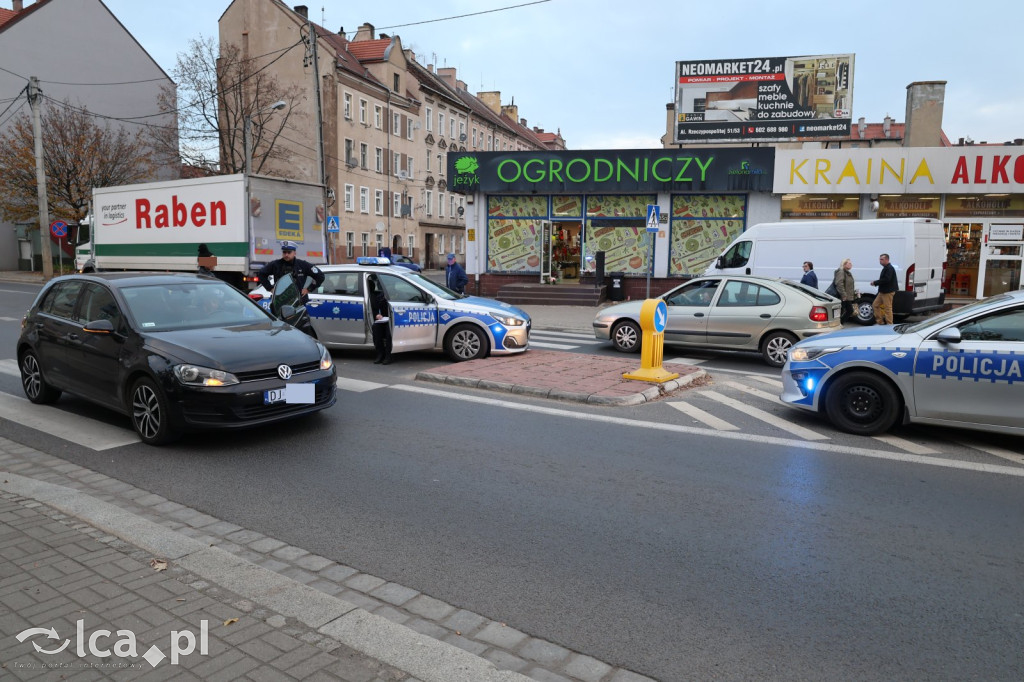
(660, 317)
(59, 228)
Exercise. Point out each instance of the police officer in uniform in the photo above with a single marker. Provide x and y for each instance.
(288, 264)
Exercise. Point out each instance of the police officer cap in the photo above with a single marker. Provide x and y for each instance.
(287, 246)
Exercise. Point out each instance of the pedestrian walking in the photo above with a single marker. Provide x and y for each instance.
(887, 285)
(809, 278)
(454, 276)
(380, 308)
(842, 280)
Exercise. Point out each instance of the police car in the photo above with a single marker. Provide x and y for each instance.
(964, 368)
(425, 315)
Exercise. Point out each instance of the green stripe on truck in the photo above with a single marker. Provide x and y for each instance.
(240, 249)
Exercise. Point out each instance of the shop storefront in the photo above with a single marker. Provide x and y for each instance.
(534, 216)
(978, 193)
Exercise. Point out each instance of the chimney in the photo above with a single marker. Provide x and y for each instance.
(492, 99)
(511, 110)
(365, 32)
(447, 74)
(887, 125)
(17, 4)
(302, 11)
(924, 114)
(522, 122)
(862, 127)
(430, 68)
(461, 85)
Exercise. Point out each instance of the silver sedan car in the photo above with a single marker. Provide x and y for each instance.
(763, 314)
(963, 368)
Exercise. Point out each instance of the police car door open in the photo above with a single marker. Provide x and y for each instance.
(414, 314)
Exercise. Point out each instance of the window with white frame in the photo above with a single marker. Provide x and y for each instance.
(451, 205)
(350, 155)
(430, 119)
(378, 201)
(409, 167)
(430, 201)
(379, 239)
(378, 116)
(440, 204)
(378, 160)
(488, 142)
(347, 105)
(409, 129)
(365, 243)
(453, 123)
(412, 244)
(428, 161)
(396, 203)
(364, 199)
(364, 152)
(440, 243)
(396, 124)
(350, 244)
(440, 124)
(362, 111)
(396, 160)
(462, 129)
(474, 137)
(349, 197)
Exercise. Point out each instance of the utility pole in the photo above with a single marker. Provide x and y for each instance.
(320, 162)
(34, 95)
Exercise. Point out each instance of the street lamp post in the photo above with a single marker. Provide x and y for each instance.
(247, 132)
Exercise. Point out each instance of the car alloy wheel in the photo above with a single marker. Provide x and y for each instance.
(466, 343)
(626, 337)
(36, 388)
(775, 348)
(150, 415)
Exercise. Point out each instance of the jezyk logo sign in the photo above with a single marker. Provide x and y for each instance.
(182, 643)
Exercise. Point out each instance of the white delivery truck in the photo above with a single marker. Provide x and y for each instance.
(160, 225)
(916, 248)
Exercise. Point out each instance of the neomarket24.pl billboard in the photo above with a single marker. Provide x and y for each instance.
(770, 99)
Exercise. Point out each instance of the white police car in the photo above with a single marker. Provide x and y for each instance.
(964, 368)
(425, 315)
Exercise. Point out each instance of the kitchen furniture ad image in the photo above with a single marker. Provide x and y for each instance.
(768, 98)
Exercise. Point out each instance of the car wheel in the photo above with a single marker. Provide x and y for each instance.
(865, 311)
(626, 337)
(465, 342)
(36, 388)
(150, 414)
(862, 403)
(775, 348)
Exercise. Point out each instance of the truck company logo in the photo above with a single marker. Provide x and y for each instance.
(182, 643)
(178, 214)
(466, 176)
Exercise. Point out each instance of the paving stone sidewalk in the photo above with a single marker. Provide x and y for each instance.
(117, 579)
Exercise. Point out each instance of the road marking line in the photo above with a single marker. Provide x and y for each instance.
(602, 417)
(71, 427)
(10, 366)
(996, 452)
(766, 417)
(688, 361)
(706, 417)
(906, 445)
(774, 383)
(9, 319)
(357, 386)
(713, 370)
(556, 346)
(754, 391)
(589, 338)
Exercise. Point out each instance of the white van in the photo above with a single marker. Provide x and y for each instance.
(916, 248)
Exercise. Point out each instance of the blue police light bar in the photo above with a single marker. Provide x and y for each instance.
(372, 260)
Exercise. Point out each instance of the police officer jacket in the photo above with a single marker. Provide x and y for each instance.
(299, 269)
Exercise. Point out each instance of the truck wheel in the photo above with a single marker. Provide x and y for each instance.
(865, 311)
(626, 337)
(775, 348)
(862, 403)
(465, 342)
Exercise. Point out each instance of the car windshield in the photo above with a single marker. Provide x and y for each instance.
(432, 287)
(190, 305)
(955, 312)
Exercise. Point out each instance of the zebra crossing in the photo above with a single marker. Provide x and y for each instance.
(553, 340)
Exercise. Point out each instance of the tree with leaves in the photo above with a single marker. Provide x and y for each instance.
(78, 155)
(217, 91)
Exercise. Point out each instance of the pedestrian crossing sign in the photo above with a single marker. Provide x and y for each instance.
(653, 217)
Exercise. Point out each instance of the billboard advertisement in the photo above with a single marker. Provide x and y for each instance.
(765, 99)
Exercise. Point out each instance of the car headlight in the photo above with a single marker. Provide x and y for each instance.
(326, 361)
(508, 320)
(194, 375)
(804, 354)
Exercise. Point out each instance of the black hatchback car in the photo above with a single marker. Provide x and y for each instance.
(175, 352)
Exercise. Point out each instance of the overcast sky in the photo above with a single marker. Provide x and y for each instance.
(602, 71)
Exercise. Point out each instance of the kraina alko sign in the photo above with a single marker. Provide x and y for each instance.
(611, 171)
(766, 98)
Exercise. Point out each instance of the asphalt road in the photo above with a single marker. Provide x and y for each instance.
(680, 556)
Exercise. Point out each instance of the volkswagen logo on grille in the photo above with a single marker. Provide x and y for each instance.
(284, 371)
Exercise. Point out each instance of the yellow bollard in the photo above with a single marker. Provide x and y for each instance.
(653, 317)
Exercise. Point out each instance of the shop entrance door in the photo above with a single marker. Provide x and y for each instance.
(1001, 259)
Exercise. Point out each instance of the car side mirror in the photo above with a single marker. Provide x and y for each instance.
(949, 335)
(720, 263)
(99, 327)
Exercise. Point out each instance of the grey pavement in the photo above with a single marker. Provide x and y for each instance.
(78, 547)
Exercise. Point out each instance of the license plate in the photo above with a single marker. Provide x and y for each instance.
(302, 394)
(274, 395)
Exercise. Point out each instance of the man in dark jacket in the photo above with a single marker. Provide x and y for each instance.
(809, 278)
(454, 276)
(887, 285)
(288, 264)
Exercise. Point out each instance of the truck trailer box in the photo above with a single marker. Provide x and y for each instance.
(916, 248)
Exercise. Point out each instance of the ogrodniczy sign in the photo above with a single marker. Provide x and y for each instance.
(611, 171)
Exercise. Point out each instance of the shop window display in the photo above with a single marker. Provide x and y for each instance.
(702, 225)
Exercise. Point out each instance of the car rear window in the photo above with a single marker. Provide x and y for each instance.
(810, 291)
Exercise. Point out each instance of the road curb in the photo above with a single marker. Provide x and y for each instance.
(399, 646)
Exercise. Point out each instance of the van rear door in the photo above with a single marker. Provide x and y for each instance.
(929, 255)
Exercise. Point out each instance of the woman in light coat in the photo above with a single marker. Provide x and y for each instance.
(843, 282)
